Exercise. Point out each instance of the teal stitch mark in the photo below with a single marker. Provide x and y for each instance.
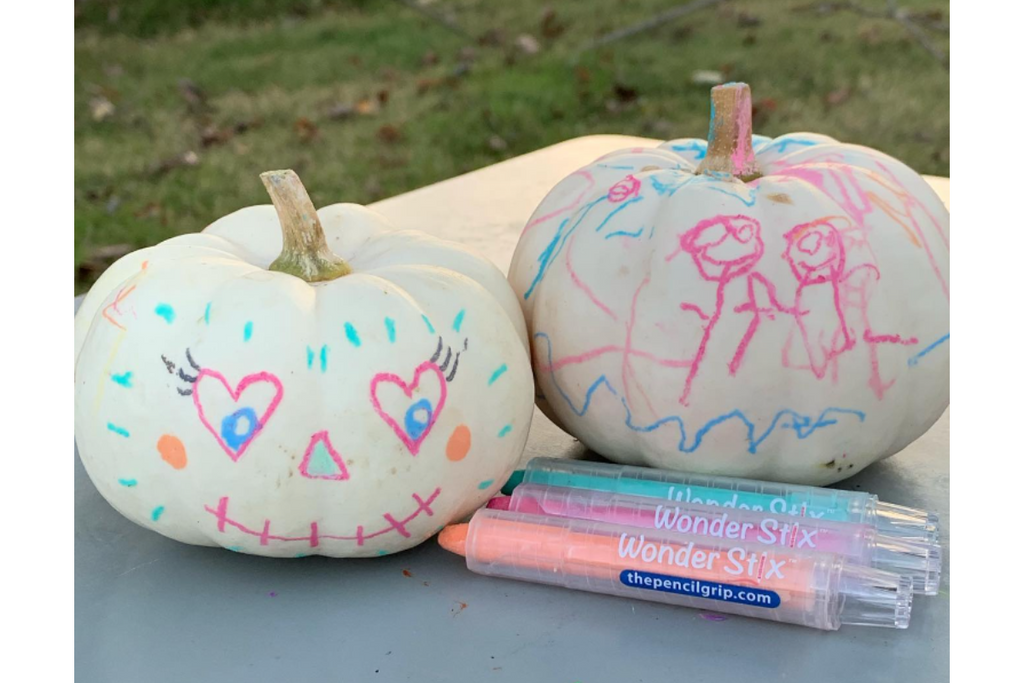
(120, 431)
(504, 430)
(124, 379)
(127, 482)
(165, 311)
(206, 313)
(485, 484)
(353, 336)
(247, 332)
(382, 552)
(389, 325)
(310, 355)
(496, 374)
(157, 511)
(323, 358)
(298, 555)
(427, 321)
(233, 548)
(457, 323)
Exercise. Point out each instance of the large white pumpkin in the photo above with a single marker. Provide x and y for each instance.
(769, 308)
(350, 408)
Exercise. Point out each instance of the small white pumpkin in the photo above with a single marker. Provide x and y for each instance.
(744, 306)
(304, 405)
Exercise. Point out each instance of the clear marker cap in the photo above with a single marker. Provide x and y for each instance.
(869, 597)
(898, 521)
(921, 562)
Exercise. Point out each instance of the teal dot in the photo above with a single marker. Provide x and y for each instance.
(486, 483)
(165, 311)
(247, 332)
(157, 511)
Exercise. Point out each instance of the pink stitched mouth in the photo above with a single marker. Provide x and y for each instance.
(314, 537)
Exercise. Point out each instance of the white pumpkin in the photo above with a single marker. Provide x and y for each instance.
(351, 408)
(776, 309)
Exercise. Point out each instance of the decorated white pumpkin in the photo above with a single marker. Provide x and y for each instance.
(348, 398)
(744, 306)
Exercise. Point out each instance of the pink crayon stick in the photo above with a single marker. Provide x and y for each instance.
(859, 543)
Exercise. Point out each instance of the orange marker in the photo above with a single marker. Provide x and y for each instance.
(819, 590)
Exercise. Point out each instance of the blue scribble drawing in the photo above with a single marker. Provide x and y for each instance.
(748, 201)
(699, 147)
(624, 233)
(782, 145)
(803, 425)
(916, 358)
(554, 248)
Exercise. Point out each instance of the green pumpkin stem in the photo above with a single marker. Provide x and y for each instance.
(304, 252)
(730, 135)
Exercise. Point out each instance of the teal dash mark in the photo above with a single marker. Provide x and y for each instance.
(157, 511)
(310, 355)
(504, 430)
(323, 358)
(457, 323)
(206, 313)
(120, 431)
(247, 332)
(382, 552)
(427, 321)
(166, 312)
(124, 379)
(496, 374)
(389, 324)
(127, 482)
(353, 336)
(486, 483)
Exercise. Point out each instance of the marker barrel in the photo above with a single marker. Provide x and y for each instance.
(858, 543)
(894, 521)
(819, 590)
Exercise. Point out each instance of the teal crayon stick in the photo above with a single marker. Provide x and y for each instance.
(837, 505)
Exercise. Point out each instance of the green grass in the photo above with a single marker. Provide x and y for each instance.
(273, 65)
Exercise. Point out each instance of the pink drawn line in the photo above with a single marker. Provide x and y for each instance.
(411, 444)
(235, 395)
(581, 284)
(314, 538)
(694, 308)
(568, 207)
(888, 339)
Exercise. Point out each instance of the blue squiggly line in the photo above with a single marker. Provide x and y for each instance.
(753, 193)
(617, 168)
(916, 358)
(795, 141)
(701, 148)
(624, 233)
(803, 425)
(670, 188)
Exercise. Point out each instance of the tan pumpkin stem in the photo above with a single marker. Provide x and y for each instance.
(730, 136)
(304, 252)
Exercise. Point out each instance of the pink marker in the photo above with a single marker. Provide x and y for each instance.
(859, 543)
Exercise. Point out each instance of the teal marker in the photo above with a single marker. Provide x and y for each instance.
(741, 494)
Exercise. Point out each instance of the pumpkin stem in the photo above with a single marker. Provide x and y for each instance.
(304, 253)
(730, 142)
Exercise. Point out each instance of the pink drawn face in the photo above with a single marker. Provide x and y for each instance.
(724, 247)
(815, 251)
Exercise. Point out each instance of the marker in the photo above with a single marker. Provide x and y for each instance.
(894, 521)
(858, 543)
(819, 590)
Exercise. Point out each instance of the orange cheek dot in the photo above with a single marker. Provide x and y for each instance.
(172, 451)
(458, 443)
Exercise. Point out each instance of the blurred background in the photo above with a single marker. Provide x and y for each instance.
(180, 104)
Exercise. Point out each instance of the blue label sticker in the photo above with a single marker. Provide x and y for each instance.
(699, 588)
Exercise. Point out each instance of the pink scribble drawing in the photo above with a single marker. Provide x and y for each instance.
(624, 189)
(723, 248)
(566, 208)
(314, 537)
(414, 430)
(816, 256)
(762, 300)
(580, 284)
(256, 426)
(324, 438)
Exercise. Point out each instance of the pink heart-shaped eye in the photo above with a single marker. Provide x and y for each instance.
(239, 414)
(411, 419)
